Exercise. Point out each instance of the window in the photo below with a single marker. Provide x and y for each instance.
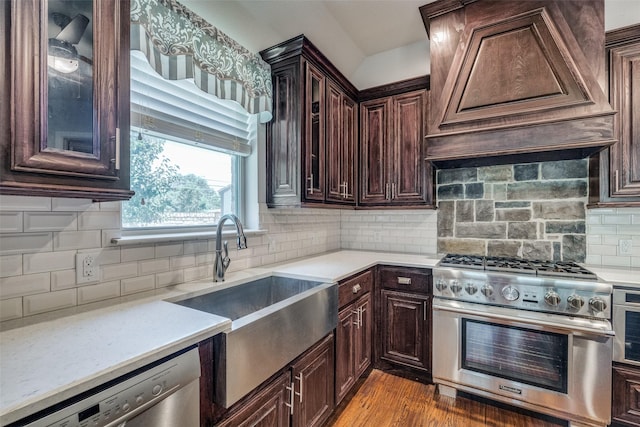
(187, 153)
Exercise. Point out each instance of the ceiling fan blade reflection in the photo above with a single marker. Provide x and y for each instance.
(72, 32)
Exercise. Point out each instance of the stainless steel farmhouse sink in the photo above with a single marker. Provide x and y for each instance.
(274, 319)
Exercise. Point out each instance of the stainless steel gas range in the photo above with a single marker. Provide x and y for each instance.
(529, 333)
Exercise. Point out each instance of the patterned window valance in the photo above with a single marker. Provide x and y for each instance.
(180, 44)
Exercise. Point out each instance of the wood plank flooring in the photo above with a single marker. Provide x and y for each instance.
(385, 400)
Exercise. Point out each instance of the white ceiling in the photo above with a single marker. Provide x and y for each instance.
(371, 42)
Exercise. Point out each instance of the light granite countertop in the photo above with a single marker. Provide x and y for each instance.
(46, 362)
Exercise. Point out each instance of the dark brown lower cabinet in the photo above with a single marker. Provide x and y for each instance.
(625, 407)
(300, 396)
(353, 344)
(406, 329)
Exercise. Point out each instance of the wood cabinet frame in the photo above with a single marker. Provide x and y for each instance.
(27, 167)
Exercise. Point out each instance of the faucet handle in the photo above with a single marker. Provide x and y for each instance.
(225, 260)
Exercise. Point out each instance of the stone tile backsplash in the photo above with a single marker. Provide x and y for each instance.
(534, 210)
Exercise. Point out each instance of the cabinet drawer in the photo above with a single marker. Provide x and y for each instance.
(351, 289)
(406, 279)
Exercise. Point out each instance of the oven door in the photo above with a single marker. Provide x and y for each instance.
(626, 323)
(552, 364)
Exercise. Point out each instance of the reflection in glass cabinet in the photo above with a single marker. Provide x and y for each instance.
(70, 76)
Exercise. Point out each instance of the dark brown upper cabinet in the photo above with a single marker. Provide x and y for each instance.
(65, 99)
(516, 80)
(311, 141)
(394, 172)
(615, 172)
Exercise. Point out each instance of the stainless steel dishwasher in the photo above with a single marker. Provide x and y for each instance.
(163, 394)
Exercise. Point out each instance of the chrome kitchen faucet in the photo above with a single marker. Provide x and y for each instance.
(222, 263)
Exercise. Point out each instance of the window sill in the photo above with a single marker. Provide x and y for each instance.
(138, 239)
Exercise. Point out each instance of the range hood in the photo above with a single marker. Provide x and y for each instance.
(516, 81)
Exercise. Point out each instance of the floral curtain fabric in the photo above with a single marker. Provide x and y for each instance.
(180, 44)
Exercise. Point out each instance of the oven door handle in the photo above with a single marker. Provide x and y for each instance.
(504, 319)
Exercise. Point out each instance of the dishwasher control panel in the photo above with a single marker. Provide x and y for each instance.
(128, 398)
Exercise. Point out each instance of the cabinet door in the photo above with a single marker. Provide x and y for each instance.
(341, 146)
(405, 334)
(363, 335)
(314, 136)
(267, 409)
(625, 406)
(68, 135)
(407, 171)
(624, 174)
(375, 134)
(313, 381)
(345, 351)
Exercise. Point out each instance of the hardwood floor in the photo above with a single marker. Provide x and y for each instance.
(385, 400)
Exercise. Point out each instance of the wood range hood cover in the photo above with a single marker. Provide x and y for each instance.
(516, 81)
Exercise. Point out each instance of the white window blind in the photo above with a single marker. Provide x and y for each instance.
(177, 108)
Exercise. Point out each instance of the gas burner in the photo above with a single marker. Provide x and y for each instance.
(518, 265)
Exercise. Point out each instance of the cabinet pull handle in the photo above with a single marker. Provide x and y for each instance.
(393, 190)
(117, 148)
(386, 191)
(356, 288)
(291, 398)
(424, 312)
(357, 313)
(404, 280)
(617, 180)
(299, 378)
(346, 187)
(310, 188)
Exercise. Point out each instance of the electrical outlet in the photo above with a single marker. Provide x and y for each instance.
(87, 267)
(624, 246)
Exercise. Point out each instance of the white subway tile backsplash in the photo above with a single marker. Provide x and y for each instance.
(24, 203)
(10, 309)
(616, 219)
(48, 261)
(154, 266)
(137, 284)
(137, 253)
(64, 279)
(169, 249)
(119, 271)
(65, 240)
(50, 221)
(98, 220)
(10, 265)
(50, 301)
(75, 205)
(109, 256)
(110, 206)
(603, 250)
(616, 261)
(25, 242)
(200, 246)
(197, 273)
(183, 261)
(169, 278)
(629, 229)
(102, 291)
(11, 222)
(17, 286)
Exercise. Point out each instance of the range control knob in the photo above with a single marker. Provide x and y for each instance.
(455, 287)
(441, 285)
(510, 293)
(487, 290)
(552, 298)
(470, 288)
(575, 301)
(597, 304)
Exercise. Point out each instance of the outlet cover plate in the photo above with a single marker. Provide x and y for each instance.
(87, 267)
(624, 246)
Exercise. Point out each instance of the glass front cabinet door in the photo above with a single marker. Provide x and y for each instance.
(65, 98)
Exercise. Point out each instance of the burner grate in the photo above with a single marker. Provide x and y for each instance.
(518, 265)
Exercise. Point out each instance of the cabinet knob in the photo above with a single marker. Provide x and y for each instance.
(356, 288)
